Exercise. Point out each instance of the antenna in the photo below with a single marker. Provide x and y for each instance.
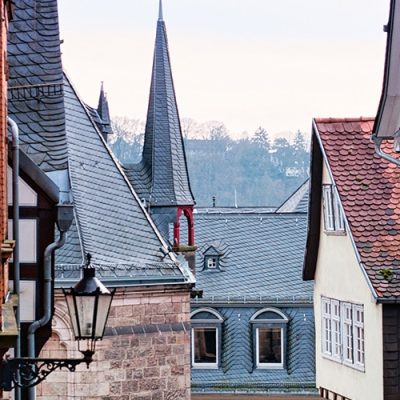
(160, 11)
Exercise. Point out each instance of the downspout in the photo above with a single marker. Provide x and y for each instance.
(34, 326)
(378, 142)
(64, 221)
(15, 200)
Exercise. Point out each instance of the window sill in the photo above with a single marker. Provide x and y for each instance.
(346, 364)
(198, 366)
(335, 233)
(270, 367)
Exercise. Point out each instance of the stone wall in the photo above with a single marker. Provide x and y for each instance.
(145, 353)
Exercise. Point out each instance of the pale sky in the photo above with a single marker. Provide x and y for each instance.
(247, 63)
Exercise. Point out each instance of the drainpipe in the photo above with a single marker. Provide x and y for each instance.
(64, 220)
(378, 142)
(15, 199)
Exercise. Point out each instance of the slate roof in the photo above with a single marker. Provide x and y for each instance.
(35, 97)
(369, 190)
(237, 372)
(263, 257)
(162, 176)
(298, 201)
(59, 133)
(112, 224)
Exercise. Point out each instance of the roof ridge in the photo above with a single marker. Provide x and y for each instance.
(120, 170)
(345, 119)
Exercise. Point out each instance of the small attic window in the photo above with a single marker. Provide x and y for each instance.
(212, 258)
(212, 262)
(333, 216)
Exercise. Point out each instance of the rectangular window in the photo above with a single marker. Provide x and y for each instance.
(212, 262)
(333, 217)
(358, 324)
(205, 346)
(336, 336)
(269, 347)
(343, 332)
(326, 327)
(347, 312)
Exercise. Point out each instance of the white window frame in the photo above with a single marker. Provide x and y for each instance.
(333, 216)
(347, 333)
(206, 365)
(343, 333)
(358, 336)
(268, 365)
(336, 330)
(326, 327)
(216, 323)
(212, 262)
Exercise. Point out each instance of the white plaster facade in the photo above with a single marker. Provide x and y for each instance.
(340, 276)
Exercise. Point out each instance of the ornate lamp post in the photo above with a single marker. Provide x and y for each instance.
(89, 304)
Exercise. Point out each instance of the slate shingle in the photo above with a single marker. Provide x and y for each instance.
(263, 255)
(35, 97)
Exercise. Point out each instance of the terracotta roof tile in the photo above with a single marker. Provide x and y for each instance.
(369, 188)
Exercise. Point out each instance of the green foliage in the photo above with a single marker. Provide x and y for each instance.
(252, 171)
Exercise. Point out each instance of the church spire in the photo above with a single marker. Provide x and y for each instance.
(104, 113)
(164, 161)
(163, 150)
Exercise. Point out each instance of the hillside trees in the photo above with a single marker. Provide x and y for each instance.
(261, 172)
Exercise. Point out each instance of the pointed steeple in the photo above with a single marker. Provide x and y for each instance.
(104, 113)
(163, 151)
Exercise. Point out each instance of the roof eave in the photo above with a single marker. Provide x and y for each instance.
(29, 168)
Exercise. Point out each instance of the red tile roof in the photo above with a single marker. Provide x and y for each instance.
(369, 188)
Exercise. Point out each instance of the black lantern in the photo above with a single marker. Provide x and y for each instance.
(89, 303)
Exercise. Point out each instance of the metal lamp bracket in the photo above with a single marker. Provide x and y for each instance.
(28, 372)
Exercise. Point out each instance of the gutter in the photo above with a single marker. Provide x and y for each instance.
(390, 300)
(378, 143)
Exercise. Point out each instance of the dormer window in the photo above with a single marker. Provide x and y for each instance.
(212, 258)
(212, 262)
(269, 338)
(206, 338)
(333, 217)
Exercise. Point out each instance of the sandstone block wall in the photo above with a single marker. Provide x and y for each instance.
(145, 354)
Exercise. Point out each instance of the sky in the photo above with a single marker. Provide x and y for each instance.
(247, 63)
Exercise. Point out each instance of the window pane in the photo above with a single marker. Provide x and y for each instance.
(270, 345)
(205, 345)
(328, 208)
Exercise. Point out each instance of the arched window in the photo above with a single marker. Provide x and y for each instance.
(269, 338)
(206, 338)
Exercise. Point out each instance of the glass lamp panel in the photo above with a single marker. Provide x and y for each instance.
(270, 345)
(103, 307)
(72, 314)
(85, 308)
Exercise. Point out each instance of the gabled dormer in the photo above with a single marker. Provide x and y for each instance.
(212, 259)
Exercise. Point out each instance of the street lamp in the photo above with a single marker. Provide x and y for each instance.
(89, 304)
